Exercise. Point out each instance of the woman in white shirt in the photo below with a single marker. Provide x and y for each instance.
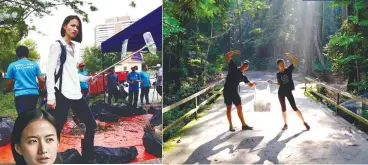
(65, 93)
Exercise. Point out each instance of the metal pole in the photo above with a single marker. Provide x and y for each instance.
(196, 105)
(338, 103)
(125, 58)
(103, 77)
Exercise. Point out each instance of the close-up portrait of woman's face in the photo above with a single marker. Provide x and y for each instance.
(38, 143)
(72, 28)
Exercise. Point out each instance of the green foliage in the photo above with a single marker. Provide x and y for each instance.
(318, 67)
(7, 107)
(93, 59)
(170, 26)
(152, 60)
(354, 19)
(9, 54)
(13, 14)
(363, 23)
(349, 58)
(362, 85)
(346, 40)
(40, 8)
(347, 48)
(337, 3)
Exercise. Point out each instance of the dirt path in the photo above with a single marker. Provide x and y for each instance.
(330, 140)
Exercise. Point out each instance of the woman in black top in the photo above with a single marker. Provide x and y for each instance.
(231, 95)
(285, 81)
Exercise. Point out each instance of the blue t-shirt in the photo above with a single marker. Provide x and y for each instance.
(24, 73)
(145, 77)
(133, 76)
(83, 84)
(112, 79)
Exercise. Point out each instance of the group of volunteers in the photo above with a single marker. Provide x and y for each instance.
(36, 132)
(136, 81)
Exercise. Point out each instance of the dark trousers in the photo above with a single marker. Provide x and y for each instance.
(159, 90)
(289, 95)
(112, 92)
(130, 99)
(25, 102)
(144, 93)
(84, 114)
(85, 93)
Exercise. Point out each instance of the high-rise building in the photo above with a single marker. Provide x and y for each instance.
(111, 27)
(81, 52)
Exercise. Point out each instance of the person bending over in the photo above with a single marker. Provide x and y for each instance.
(231, 95)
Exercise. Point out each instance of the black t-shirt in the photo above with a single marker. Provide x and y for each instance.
(234, 77)
(285, 79)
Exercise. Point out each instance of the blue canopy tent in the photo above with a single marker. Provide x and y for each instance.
(152, 22)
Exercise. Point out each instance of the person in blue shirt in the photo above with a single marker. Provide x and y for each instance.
(22, 76)
(112, 86)
(133, 80)
(145, 84)
(84, 84)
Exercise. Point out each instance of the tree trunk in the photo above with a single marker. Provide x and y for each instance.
(177, 61)
(317, 47)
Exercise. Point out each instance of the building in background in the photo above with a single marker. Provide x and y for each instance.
(111, 27)
(81, 52)
(127, 64)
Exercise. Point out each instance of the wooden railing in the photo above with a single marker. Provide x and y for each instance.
(339, 93)
(197, 106)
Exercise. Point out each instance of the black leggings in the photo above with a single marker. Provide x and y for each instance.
(83, 113)
(289, 95)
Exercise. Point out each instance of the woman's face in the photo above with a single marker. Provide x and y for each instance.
(72, 28)
(38, 143)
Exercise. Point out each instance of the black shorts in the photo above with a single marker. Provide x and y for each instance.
(232, 97)
(289, 95)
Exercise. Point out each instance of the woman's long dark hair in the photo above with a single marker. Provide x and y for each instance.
(77, 38)
(21, 122)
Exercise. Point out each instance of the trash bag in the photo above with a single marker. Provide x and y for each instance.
(6, 128)
(100, 155)
(123, 94)
(70, 156)
(98, 105)
(156, 119)
(260, 103)
(100, 111)
(106, 155)
(106, 116)
(126, 110)
(152, 143)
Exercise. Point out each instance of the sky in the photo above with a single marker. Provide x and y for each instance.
(50, 25)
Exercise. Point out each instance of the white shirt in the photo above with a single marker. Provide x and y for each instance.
(71, 79)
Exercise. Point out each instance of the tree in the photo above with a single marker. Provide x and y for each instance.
(348, 49)
(92, 58)
(195, 36)
(13, 27)
(152, 60)
(6, 59)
